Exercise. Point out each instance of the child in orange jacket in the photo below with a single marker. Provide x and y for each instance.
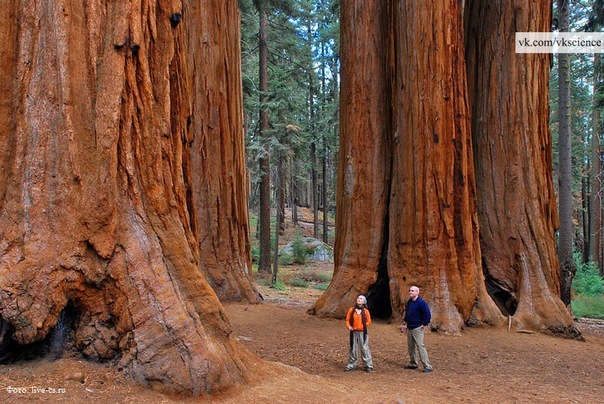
(357, 321)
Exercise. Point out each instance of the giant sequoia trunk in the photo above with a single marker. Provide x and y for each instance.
(407, 209)
(96, 188)
(363, 168)
(513, 158)
(218, 151)
(433, 224)
(406, 213)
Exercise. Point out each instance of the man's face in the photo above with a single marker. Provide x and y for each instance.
(413, 292)
(360, 301)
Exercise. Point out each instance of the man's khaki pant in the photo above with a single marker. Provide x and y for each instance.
(415, 343)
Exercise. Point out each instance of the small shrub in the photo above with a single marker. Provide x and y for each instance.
(262, 279)
(587, 281)
(255, 254)
(317, 276)
(588, 306)
(321, 286)
(253, 220)
(286, 259)
(297, 282)
(298, 250)
(279, 286)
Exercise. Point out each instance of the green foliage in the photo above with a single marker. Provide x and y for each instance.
(286, 259)
(255, 253)
(253, 220)
(279, 285)
(303, 90)
(305, 278)
(318, 276)
(298, 250)
(587, 281)
(321, 286)
(589, 306)
(588, 287)
(299, 283)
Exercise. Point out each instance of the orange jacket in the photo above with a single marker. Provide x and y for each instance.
(357, 320)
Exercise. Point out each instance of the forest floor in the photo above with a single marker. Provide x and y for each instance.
(306, 356)
(481, 365)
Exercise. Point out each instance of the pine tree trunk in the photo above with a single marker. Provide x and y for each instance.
(596, 171)
(294, 191)
(565, 238)
(315, 190)
(278, 216)
(325, 199)
(96, 189)
(264, 265)
(218, 171)
(584, 242)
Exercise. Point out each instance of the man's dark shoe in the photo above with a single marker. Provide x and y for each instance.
(347, 369)
(410, 366)
(368, 370)
(427, 370)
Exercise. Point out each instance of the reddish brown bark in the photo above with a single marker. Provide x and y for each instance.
(364, 161)
(406, 211)
(96, 187)
(513, 157)
(218, 171)
(433, 225)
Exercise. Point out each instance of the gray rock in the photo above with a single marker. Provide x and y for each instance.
(317, 250)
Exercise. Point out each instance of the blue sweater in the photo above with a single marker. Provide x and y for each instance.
(417, 313)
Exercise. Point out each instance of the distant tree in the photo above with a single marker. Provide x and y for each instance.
(596, 23)
(565, 239)
(264, 264)
(299, 96)
(596, 206)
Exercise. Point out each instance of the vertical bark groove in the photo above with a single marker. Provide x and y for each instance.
(513, 157)
(218, 159)
(94, 211)
(362, 191)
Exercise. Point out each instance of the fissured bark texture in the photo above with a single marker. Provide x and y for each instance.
(98, 202)
(433, 224)
(406, 123)
(364, 158)
(406, 207)
(218, 150)
(513, 157)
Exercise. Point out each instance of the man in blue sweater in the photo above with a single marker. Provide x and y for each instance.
(417, 317)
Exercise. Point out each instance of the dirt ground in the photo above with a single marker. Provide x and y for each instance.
(479, 366)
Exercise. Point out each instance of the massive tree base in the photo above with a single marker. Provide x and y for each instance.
(98, 206)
